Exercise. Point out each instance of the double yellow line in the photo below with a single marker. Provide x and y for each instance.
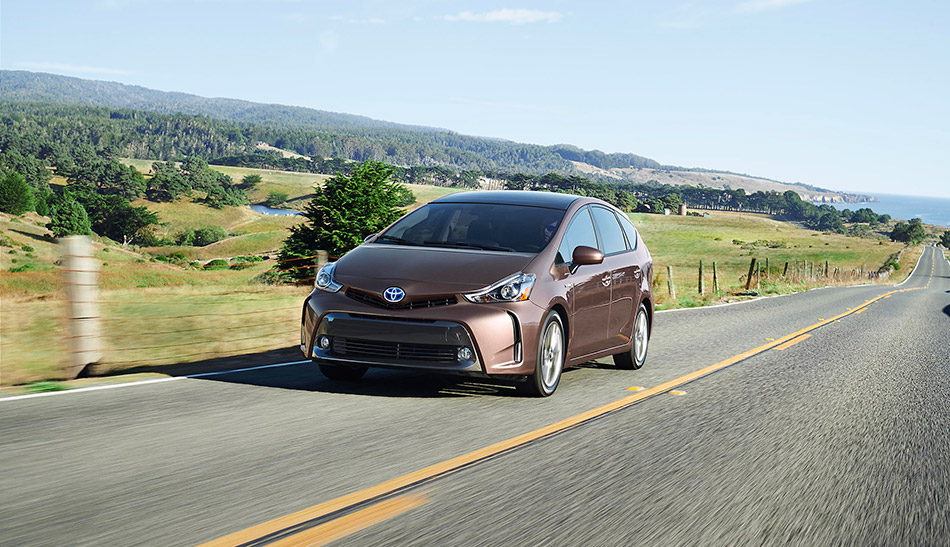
(323, 523)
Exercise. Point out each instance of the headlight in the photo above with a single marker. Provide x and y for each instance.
(511, 289)
(325, 280)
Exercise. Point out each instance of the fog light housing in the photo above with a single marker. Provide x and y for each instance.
(324, 342)
(464, 354)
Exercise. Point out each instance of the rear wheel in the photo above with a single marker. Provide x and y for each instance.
(550, 360)
(637, 355)
(342, 373)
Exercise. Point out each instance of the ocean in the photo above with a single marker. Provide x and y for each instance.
(930, 210)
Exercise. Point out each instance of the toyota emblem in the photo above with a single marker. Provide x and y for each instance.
(394, 294)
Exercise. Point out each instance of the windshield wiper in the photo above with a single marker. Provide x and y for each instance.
(395, 239)
(469, 245)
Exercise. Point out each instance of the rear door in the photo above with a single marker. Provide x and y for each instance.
(624, 277)
(589, 293)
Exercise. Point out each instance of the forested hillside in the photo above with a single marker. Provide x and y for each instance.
(307, 131)
(142, 123)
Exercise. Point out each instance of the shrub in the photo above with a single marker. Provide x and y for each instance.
(250, 181)
(276, 199)
(216, 264)
(27, 248)
(202, 236)
(242, 262)
(178, 259)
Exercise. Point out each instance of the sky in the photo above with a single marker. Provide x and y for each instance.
(844, 94)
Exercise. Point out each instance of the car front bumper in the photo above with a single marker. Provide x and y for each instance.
(502, 337)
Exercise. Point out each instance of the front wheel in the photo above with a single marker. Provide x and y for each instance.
(550, 360)
(635, 357)
(342, 373)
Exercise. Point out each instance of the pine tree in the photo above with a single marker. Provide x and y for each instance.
(68, 217)
(16, 195)
(345, 210)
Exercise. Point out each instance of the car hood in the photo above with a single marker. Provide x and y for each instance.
(425, 270)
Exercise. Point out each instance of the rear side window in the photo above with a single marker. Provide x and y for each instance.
(611, 234)
(629, 230)
(579, 232)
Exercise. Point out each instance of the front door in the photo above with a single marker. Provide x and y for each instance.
(625, 277)
(589, 293)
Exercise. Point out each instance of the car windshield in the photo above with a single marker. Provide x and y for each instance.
(488, 226)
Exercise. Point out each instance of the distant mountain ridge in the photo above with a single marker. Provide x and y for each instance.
(24, 86)
(413, 145)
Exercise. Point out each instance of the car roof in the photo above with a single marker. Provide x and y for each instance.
(512, 197)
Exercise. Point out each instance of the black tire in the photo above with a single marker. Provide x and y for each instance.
(548, 366)
(342, 373)
(636, 355)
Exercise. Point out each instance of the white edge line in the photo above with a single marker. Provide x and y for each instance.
(144, 382)
(919, 258)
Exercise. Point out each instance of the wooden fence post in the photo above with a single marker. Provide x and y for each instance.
(702, 285)
(748, 281)
(669, 275)
(716, 278)
(82, 295)
(826, 270)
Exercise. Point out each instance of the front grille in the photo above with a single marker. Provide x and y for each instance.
(392, 351)
(374, 300)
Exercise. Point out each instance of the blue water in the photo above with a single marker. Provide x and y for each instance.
(271, 211)
(930, 210)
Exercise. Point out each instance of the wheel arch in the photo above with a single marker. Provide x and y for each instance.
(648, 304)
(558, 308)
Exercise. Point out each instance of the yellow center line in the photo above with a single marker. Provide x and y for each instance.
(352, 523)
(794, 341)
(459, 462)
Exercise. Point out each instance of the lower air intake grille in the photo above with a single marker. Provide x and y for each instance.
(395, 351)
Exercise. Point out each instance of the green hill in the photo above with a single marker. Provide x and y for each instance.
(216, 127)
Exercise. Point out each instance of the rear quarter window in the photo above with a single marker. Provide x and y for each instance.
(609, 230)
(630, 230)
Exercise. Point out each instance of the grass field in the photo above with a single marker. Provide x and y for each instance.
(298, 186)
(681, 242)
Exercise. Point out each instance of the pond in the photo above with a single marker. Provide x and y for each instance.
(271, 211)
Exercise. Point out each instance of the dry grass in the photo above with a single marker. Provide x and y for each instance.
(681, 242)
(152, 326)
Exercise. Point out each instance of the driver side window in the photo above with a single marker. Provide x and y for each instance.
(579, 232)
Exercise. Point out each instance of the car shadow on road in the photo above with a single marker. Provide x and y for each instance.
(253, 370)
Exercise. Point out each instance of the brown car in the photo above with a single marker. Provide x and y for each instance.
(503, 284)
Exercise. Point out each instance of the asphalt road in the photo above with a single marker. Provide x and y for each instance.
(841, 438)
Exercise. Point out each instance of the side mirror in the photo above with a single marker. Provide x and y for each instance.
(584, 255)
(370, 237)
